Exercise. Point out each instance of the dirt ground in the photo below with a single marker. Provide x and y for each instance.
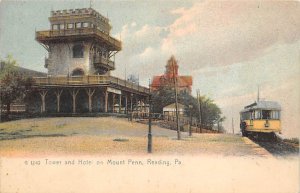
(113, 136)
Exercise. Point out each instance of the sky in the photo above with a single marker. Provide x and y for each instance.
(229, 47)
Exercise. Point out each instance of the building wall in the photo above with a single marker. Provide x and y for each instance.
(62, 61)
(172, 111)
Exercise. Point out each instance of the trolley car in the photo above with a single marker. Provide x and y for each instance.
(260, 117)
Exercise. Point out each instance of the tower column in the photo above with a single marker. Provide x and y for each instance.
(126, 103)
(106, 101)
(58, 94)
(74, 93)
(113, 102)
(43, 94)
(131, 100)
(99, 102)
(90, 93)
(120, 103)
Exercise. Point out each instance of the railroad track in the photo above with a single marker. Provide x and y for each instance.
(275, 145)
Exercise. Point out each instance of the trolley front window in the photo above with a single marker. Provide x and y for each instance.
(267, 114)
(275, 115)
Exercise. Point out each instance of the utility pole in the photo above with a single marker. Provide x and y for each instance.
(199, 109)
(125, 73)
(150, 123)
(232, 126)
(176, 103)
(0, 103)
(258, 93)
(190, 128)
(131, 107)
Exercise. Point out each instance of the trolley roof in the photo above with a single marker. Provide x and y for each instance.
(266, 105)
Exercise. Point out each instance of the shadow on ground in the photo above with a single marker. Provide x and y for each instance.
(21, 134)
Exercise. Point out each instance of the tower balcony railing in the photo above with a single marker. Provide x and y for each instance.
(50, 34)
(88, 80)
(99, 60)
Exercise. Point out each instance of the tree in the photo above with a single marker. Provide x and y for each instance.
(14, 85)
(210, 112)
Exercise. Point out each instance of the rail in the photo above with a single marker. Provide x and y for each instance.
(169, 121)
(43, 35)
(91, 79)
(104, 61)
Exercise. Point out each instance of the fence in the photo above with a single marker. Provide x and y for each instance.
(170, 121)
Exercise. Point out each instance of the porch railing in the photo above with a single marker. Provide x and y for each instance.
(83, 80)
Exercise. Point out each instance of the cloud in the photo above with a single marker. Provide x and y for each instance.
(141, 51)
(213, 33)
(223, 33)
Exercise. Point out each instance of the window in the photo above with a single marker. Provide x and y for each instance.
(78, 25)
(257, 114)
(266, 114)
(275, 115)
(246, 115)
(70, 25)
(78, 72)
(62, 26)
(55, 27)
(252, 114)
(78, 51)
(85, 24)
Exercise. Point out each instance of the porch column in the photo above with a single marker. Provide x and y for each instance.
(100, 102)
(131, 100)
(137, 105)
(43, 94)
(113, 102)
(131, 107)
(106, 101)
(143, 106)
(120, 103)
(90, 93)
(74, 93)
(126, 103)
(58, 94)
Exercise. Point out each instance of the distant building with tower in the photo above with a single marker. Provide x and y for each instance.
(80, 59)
(184, 83)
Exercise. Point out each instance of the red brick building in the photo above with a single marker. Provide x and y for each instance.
(167, 80)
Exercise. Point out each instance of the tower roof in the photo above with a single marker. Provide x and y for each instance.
(172, 61)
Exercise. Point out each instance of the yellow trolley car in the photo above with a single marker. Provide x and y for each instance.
(260, 117)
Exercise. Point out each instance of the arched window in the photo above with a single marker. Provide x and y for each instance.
(78, 72)
(78, 51)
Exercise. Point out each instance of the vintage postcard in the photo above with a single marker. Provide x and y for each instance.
(155, 96)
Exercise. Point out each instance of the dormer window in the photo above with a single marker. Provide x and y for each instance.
(70, 25)
(85, 24)
(78, 25)
(78, 51)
